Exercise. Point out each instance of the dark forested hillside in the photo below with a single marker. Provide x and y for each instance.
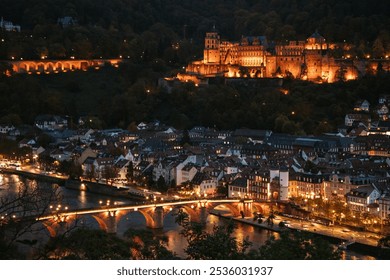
(160, 36)
(149, 28)
(125, 97)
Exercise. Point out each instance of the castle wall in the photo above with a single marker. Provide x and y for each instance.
(290, 64)
(313, 60)
(199, 68)
(301, 59)
(271, 66)
(250, 56)
(211, 56)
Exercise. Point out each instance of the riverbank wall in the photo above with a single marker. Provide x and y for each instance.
(102, 189)
(78, 185)
(35, 176)
(367, 249)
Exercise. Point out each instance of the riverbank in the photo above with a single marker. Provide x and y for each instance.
(93, 187)
(60, 180)
(246, 220)
(103, 189)
(355, 241)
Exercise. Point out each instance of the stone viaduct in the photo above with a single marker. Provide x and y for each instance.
(57, 66)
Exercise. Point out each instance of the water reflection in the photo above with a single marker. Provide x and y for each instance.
(176, 242)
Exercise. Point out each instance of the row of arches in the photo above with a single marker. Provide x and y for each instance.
(50, 67)
(152, 217)
(37, 67)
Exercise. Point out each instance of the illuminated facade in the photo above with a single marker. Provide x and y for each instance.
(45, 66)
(253, 57)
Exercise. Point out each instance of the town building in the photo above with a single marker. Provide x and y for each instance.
(9, 26)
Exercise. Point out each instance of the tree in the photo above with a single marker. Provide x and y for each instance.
(130, 171)
(91, 173)
(161, 184)
(270, 219)
(110, 172)
(217, 245)
(75, 170)
(17, 229)
(46, 161)
(296, 246)
(71, 168)
(44, 140)
(384, 241)
(384, 248)
(12, 118)
(222, 189)
(87, 244)
(185, 139)
(145, 245)
(5, 69)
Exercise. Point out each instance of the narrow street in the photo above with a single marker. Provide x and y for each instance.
(340, 232)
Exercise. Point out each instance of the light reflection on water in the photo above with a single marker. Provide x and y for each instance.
(176, 242)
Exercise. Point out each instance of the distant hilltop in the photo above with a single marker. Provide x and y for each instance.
(255, 57)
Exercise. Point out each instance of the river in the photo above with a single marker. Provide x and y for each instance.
(176, 242)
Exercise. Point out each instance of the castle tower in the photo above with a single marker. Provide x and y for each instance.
(211, 53)
(315, 51)
(316, 42)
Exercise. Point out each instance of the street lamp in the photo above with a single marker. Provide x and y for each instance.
(333, 216)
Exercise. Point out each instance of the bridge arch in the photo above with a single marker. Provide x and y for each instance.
(102, 223)
(59, 66)
(73, 66)
(231, 207)
(24, 68)
(41, 67)
(58, 224)
(32, 67)
(50, 228)
(50, 67)
(190, 211)
(148, 217)
(84, 65)
(66, 66)
(258, 207)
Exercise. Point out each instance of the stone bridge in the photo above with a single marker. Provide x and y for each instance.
(58, 66)
(108, 216)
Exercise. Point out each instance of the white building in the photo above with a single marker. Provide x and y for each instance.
(360, 198)
(9, 26)
(282, 176)
(204, 184)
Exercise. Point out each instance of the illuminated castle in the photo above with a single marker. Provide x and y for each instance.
(253, 57)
